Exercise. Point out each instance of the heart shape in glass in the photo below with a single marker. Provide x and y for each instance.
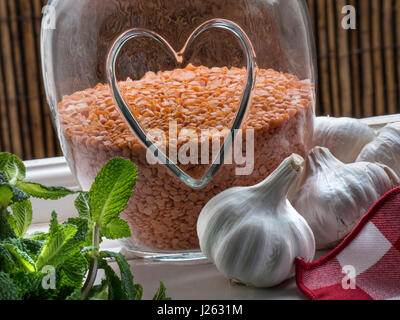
(243, 106)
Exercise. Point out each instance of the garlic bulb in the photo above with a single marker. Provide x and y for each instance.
(253, 234)
(344, 137)
(385, 148)
(333, 196)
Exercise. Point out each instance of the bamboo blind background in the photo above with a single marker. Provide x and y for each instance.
(25, 124)
(358, 70)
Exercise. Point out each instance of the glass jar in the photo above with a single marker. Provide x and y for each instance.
(201, 95)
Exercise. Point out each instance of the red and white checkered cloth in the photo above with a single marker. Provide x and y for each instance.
(366, 266)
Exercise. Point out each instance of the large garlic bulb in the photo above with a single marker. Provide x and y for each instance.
(344, 137)
(253, 234)
(333, 196)
(385, 148)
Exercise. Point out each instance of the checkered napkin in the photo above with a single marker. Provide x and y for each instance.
(366, 266)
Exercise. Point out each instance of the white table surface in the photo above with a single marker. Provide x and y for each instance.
(203, 282)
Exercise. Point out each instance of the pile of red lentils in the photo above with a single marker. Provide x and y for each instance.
(163, 211)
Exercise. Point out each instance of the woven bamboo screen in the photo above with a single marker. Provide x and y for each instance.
(25, 124)
(359, 70)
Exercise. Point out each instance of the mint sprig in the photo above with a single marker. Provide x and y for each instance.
(109, 196)
(106, 199)
(13, 188)
(82, 205)
(71, 248)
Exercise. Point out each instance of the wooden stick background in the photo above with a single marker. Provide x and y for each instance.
(358, 70)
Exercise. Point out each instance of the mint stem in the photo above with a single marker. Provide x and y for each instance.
(94, 263)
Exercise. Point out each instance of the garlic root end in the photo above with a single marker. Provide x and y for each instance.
(297, 162)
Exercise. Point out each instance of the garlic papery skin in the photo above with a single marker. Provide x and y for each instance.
(334, 196)
(385, 149)
(253, 234)
(344, 137)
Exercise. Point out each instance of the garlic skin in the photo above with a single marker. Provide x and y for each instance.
(385, 149)
(344, 137)
(334, 196)
(253, 234)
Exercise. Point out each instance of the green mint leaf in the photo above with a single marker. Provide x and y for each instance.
(73, 271)
(126, 275)
(38, 235)
(116, 229)
(3, 178)
(9, 193)
(12, 167)
(110, 193)
(63, 244)
(11, 221)
(17, 195)
(19, 254)
(115, 286)
(4, 159)
(161, 293)
(7, 261)
(22, 217)
(75, 296)
(83, 235)
(82, 205)
(8, 290)
(40, 191)
(29, 285)
(139, 292)
(53, 223)
(21, 258)
(6, 195)
(57, 248)
(82, 229)
(99, 292)
(32, 247)
(6, 232)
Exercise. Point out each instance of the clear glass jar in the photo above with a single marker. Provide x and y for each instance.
(119, 84)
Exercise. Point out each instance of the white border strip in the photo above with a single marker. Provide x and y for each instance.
(379, 122)
(52, 172)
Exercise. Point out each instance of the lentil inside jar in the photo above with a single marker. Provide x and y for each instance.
(163, 211)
